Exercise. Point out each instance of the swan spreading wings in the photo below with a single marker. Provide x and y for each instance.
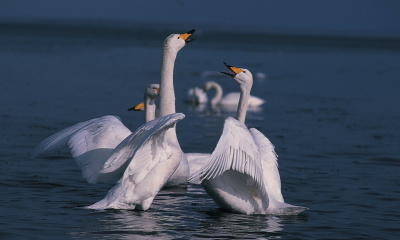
(147, 154)
(92, 142)
(155, 153)
(242, 173)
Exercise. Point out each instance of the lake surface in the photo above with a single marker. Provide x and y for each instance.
(332, 112)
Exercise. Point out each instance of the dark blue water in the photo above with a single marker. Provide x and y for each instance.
(332, 112)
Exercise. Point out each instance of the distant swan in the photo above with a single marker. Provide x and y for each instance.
(153, 154)
(199, 96)
(242, 173)
(92, 142)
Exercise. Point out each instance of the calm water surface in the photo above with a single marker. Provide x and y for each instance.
(332, 112)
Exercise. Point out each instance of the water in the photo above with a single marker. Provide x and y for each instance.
(332, 113)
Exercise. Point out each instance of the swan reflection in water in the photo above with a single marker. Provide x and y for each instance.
(168, 219)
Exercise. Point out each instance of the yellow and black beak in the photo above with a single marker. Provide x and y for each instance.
(187, 36)
(158, 91)
(232, 70)
(137, 107)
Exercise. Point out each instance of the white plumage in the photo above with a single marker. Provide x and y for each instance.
(147, 154)
(90, 143)
(242, 173)
(228, 101)
(196, 95)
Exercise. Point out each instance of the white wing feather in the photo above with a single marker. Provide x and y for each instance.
(236, 150)
(272, 180)
(103, 132)
(57, 140)
(197, 161)
(142, 151)
(90, 143)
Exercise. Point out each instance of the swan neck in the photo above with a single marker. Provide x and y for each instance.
(218, 93)
(167, 93)
(243, 103)
(149, 108)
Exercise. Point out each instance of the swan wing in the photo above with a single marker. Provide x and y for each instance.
(196, 161)
(57, 141)
(141, 151)
(236, 150)
(108, 128)
(127, 149)
(103, 132)
(255, 101)
(269, 158)
(90, 143)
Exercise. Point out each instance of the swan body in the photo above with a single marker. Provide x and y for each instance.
(242, 172)
(152, 154)
(146, 155)
(198, 95)
(92, 142)
(230, 98)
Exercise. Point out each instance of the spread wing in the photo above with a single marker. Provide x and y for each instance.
(271, 175)
(196, 161)
(141, 151)
(90, 143)
(102, 132)
(236, 150)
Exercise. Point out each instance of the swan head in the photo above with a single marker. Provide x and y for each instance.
(153, 90)
(177, 41)
(137, 107)
(243, 76)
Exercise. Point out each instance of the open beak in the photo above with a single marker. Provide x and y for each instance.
(137, 107)
(232, 70)
(187, 36)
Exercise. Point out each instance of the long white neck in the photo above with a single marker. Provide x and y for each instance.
(167, 93)
(243, 102)
(218, 92)
(149, 108)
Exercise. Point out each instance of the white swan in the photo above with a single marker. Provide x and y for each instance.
(149, 105)
(92, 142)
(230, 99)
(154, 154)
(198, 95)
(242, 173)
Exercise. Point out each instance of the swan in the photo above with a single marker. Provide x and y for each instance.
(199, 96)
(230, 98)
(149, 105)
(196, 95)
(242, 173)
(152, 155)
(92, 142)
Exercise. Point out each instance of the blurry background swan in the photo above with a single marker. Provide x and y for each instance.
(228, 101)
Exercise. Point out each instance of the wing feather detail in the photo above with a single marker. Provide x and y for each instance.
(271, 175)
(235, 150)
(141, 152)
